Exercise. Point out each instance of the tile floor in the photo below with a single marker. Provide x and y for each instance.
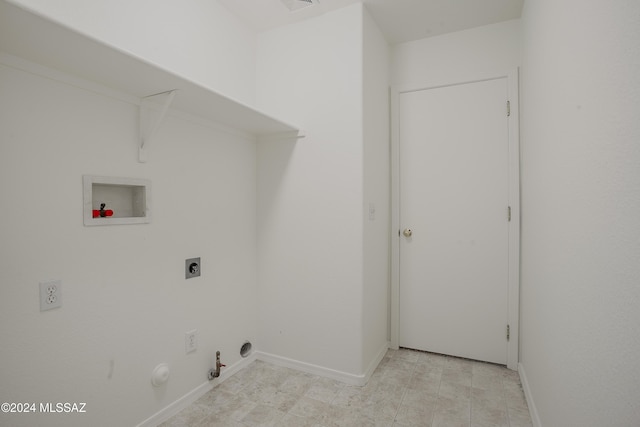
(408, 388)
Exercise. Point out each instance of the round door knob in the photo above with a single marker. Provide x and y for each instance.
(407, 232)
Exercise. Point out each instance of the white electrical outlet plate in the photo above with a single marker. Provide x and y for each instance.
(190, 341)
(50, 295)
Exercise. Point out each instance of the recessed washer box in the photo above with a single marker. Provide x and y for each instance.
(113, 201)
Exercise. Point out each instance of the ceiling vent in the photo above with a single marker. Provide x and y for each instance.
(294, 5)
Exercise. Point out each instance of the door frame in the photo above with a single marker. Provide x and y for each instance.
(513, 297)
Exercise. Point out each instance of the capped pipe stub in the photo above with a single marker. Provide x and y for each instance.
(160, 375)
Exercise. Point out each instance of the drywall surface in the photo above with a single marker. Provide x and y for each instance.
(376, 191)
(580, 208)
(126, 304)
(310, 193)
(456, 57)
(197, 39)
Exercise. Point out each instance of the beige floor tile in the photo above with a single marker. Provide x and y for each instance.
(257, 392)
(433, 360)
(419, 398)
(382, 401)
(263, 416)
(290, 420)
(482, 416)
(516, 400)
(324, 389)
(397, 377)
(519, 417)
(459, 364)
(188, 417)
(440, 420)
(452, 413)
(350, 397)
(428, 381)
(453, 408)
(454, 391)
(309, 408)
(217, 420)
(235, 408)
(485, 368)
(407, 389)
(509, 375)
(492, 399)
(415, 416)
(356, 418)
(280, 400)
(400, 363)
(455, 376)
(487, 381)
(376, 376)
(384, 409)
(408, 355)
(232, 385)
(297, 384)
(334, 416)
(214, 398)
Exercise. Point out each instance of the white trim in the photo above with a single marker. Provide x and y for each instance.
(185, 401)
(533, 411)
(177, 406)
(375, 362)
(188, 399)
(395, 222)
(513, 303)
(312, 369)
(514, 201)
(446, 82)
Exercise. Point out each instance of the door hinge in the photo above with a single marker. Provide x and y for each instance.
(508, 332)
(509, 213)
(508, 108)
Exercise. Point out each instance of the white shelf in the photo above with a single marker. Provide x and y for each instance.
(42, 41)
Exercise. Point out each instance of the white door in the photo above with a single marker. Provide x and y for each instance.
(454, 192)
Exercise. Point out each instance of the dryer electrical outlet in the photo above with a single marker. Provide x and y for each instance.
(192, 268)
(50, 295)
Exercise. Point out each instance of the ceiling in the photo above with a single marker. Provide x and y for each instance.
(399, 20)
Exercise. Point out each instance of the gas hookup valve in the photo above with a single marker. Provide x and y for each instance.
(215, 373)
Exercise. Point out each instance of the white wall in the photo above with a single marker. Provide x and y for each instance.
(376, 192)
(197, 39)
(310, 193)
(457, 57)
(580, 210)
(126, 304)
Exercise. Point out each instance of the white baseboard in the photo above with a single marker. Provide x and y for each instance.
(322, 371)
(533, 411)
(189, 398)
(182, 403)
(376, 361)
(311, 369)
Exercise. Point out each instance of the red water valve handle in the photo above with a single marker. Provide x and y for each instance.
(107, 212)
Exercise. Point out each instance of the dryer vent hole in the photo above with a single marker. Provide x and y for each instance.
(245, 350)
